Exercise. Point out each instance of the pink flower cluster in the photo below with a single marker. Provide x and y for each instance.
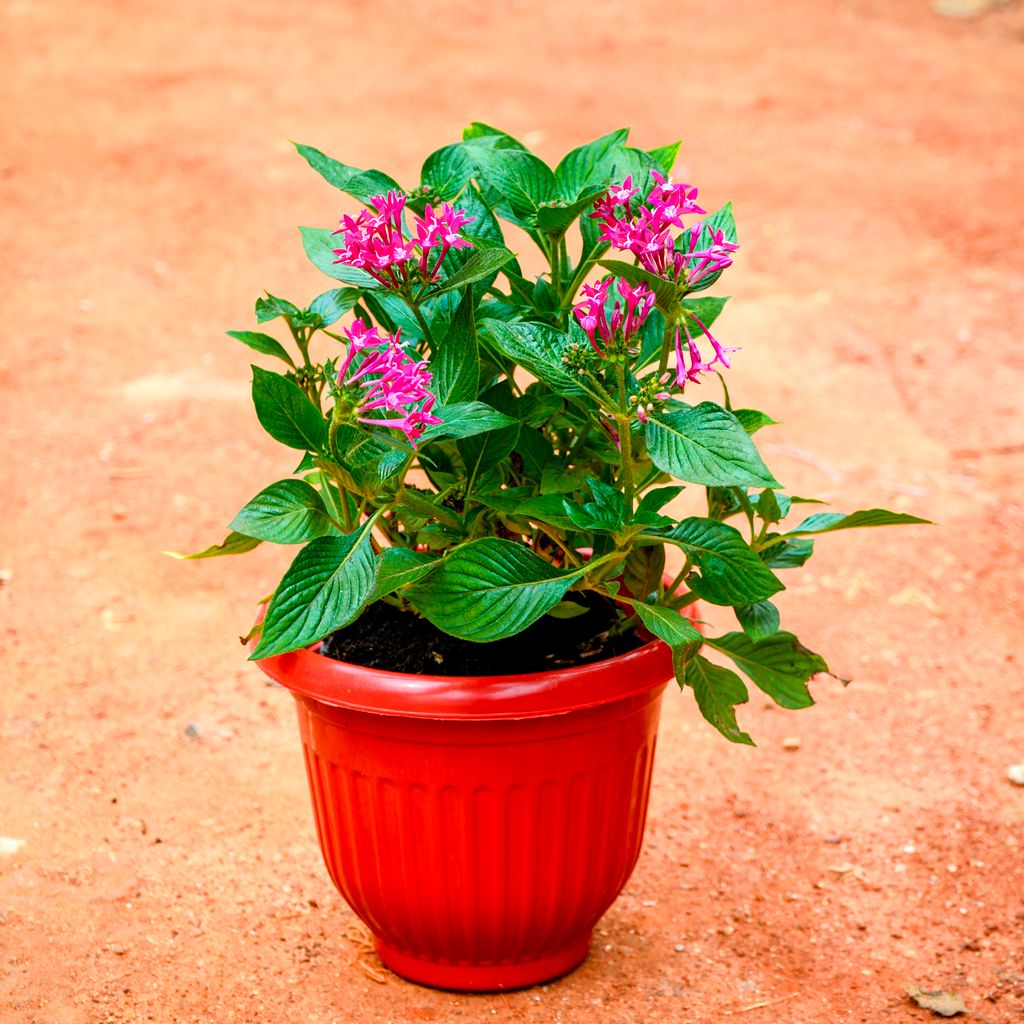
(697, 365)
(647, 231)
(391, 381)
(374, 242)
(592, 316)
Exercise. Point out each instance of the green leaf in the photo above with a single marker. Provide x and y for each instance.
(780, 665)
(707, 309)
(752, 420)
(548, 509)
(456, 361)
(587, 166)
(397, 568)
(483, 450)
(664, 291)
(523, 180)
(324, 589)
(787, 554)
(665, 156)
(500, 139)
(285, 411)
(538, 349)
(731, 572)
(826, 522)
(319, 244)
(759, 621)
(363, 185)
(567, 610)
(272, 307)
(768, 507)
(489, 589)
(676, 630)
(447, 171)
(656, 499)
(482, 263)
(606, 513)
(233, 544)
(644, 568)
(263, 343)
(718, 691)
(332, 305)
(705, 444)
(286, 512)
(466, 419)
(555, 216)
(536, 452)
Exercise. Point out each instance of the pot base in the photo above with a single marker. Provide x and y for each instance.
(483, 977)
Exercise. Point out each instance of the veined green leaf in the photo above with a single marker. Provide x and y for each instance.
(363, 185)
(263, 343)
(285, 411)
(676, 630)
(286, 512)
(645, 566)
(665, 156)
(523, 180)
(465, 419)
(271, 307)
(705, 444)
(718, 691)
(539, 349)
(489, 589)
(731, 573)
(447, 171)
(664, 291)
(779, 664)
(752, 420)
(233, 544)
(500, 139)
(324, 589)
(397, 568)
(826, 522)
(319, 244)
(456, 361)
(482, 263)
(759, 621)
(588, 165)
(332, 305)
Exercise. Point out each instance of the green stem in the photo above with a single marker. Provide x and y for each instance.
(683, 573)
(556, 266)
(666, 344)
(427, 336)
(581, 272)
(622, 419)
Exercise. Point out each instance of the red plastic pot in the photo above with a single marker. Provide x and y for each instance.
(479, 827)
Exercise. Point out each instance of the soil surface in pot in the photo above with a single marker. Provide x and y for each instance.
(386, 637)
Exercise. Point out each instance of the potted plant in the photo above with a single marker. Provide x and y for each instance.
(478, 624)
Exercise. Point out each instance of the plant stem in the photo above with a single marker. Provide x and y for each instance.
(666, 344)
(556, 266)
(427, 336)
(581, 272)
(622, 420)
(673, 586)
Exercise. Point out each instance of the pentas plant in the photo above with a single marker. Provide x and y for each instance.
(481, 448)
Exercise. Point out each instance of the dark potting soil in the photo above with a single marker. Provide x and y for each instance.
(388, 638)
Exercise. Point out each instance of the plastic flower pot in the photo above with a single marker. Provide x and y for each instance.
(479, 827)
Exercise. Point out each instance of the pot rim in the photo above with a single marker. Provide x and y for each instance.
(307, 673)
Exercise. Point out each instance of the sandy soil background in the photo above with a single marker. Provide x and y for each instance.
(169, 870)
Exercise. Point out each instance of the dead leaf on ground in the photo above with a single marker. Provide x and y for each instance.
(944, 1004)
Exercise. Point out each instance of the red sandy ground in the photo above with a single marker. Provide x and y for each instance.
(873, 150)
